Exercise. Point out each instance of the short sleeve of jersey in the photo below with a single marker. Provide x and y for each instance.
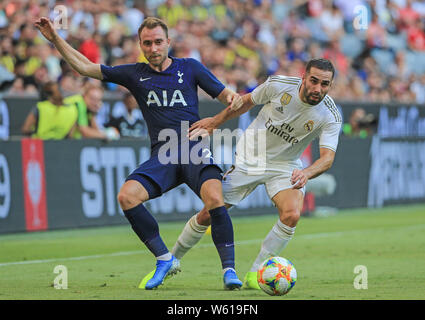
(263, 93)
(118, 74)
(205, 79)
(329, 136)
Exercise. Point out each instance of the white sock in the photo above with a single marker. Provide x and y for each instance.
(165, 257)
(225, 269)
(190, 236)
(274, 243)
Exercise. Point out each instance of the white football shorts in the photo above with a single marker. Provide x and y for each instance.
(239, 183)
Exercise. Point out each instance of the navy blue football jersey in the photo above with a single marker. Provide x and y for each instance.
(165, 98)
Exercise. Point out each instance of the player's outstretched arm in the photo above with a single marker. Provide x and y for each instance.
(230, 98)
(206, 126)
(300, 177)
(75, 59)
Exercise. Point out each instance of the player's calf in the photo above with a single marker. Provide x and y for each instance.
(203, 217)
(189, 237)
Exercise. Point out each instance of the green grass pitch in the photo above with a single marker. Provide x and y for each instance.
(109, 262)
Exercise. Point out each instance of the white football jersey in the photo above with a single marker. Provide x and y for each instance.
(285, 125)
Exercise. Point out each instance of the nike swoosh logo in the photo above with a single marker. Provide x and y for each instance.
(141, 79)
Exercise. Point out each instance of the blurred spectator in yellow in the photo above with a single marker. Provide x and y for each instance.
(51, 118)
(88, 105)
(171, 12)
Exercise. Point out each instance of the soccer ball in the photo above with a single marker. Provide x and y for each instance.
(276, 276)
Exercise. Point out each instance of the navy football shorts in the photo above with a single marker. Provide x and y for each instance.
(158, 178)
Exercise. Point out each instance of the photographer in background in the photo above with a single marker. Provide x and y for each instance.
(360, 124)
(129, 122)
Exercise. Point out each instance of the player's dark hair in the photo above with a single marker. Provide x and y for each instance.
(151, 23)
(322, 64)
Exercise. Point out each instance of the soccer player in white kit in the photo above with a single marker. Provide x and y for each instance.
(295, 112)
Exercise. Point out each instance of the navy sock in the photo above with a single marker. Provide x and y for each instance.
(146, 228)
(222, 235)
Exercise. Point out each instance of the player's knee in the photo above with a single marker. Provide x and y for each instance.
(124, 199)
(214, 200)
(128, 199)
(289, 217)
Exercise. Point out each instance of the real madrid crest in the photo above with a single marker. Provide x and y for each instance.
(308, 126)
(286, 98)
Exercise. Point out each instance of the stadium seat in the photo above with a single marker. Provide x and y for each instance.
(316, 30)
(396, 42)
(421, 62)
(351, 45)
(415, 61)
(384, 58)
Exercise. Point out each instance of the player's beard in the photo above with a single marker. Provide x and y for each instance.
(311, 98)
(157, 60)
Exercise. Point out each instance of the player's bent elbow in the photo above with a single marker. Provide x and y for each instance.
(91, 70)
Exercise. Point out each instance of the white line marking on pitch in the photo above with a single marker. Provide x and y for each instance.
(205, 245)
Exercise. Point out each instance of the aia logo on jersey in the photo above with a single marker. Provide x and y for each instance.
(176, 98)
(308, 126)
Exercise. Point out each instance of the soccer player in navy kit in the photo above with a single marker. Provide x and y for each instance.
(166, 91)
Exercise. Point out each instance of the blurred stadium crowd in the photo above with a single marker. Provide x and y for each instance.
(241, 41)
